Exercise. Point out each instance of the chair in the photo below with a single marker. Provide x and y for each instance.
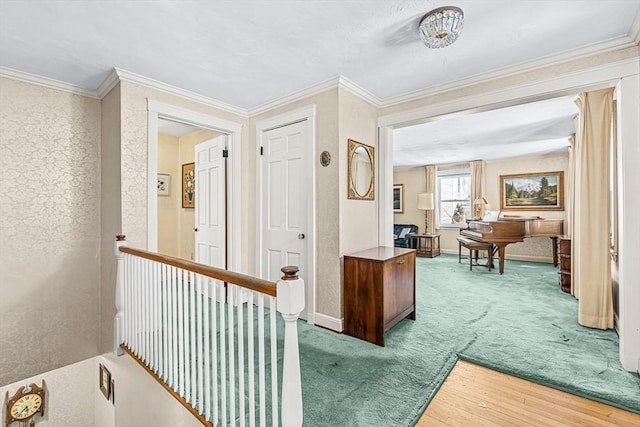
(401, 234)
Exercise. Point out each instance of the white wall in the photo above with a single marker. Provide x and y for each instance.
(139, 399)
(414, 181)
(70, 395)
(169, 206)
(74, 397)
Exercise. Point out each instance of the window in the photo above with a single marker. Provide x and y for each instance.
(454, 197)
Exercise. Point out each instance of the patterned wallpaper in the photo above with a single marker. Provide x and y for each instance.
(50, 228)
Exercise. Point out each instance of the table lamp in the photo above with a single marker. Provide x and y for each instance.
(426, 204)
(478, 204)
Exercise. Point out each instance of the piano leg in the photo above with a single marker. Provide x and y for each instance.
(554, 243)
(501, 250)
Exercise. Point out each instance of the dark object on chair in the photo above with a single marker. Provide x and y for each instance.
(403, 230)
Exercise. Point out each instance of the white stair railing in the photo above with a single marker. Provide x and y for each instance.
(201, 332)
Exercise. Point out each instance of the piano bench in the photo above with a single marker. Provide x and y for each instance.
(474, 247)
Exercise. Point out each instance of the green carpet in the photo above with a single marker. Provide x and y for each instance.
(518, 323)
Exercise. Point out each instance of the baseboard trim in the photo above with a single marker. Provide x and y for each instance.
(328, 322)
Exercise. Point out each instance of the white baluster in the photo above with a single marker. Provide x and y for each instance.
(192, 340)
(242, 413)
(214, 350)
(180, 332)
(251, 361)
(290, 304)
(119, 319)
(145, 317)
(170, 300)
(261, 373)
(155, 281)
(165, 323)
(223, 359)
(186, 335)
(200, 355)
(274, 362)
(207, 332)
(232, 371)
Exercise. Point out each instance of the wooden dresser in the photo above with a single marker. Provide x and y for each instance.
(564, 258)
(379, 291)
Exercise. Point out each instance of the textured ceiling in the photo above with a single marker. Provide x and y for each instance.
(536, 128)
(247, 53)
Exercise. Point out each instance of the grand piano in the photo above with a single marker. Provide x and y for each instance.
(512, 230)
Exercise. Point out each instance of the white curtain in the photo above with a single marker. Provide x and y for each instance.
(477, 185)
(571, 189)
(590, 266)
(430, 172)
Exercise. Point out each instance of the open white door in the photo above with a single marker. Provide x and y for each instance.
(210, 214)
(284, 200)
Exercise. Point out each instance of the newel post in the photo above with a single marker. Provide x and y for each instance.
(290, 303)
(118, 321)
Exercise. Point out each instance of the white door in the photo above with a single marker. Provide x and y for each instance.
(285, 176)
(210, 210)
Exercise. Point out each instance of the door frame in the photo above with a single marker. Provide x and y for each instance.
(307, 113)
(160, 110)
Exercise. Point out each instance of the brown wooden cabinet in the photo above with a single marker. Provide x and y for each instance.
(379, 291)
(564, 258)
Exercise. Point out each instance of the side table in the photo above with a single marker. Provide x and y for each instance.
(426, 245)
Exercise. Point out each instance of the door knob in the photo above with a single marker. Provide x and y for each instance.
(301, 236)
(195, 229)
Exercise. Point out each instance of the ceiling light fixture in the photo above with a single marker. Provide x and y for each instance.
(441, 27)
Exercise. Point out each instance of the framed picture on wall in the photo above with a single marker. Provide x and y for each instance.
(398, 198)
(164, 184)
(188, 185)
(105, 381)
(532, 191)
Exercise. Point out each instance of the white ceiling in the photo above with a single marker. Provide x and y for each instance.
(177, 129)
(530, 129)
(247, 53)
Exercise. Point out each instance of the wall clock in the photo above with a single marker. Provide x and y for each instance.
(25, 404)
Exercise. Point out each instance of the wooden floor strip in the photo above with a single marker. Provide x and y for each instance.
(473, 395)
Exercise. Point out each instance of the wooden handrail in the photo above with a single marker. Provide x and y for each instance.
(244, 280)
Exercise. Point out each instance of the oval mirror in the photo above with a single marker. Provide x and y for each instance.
(361, 171)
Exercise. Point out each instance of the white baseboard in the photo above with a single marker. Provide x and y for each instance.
(530, 258)
(328, 322)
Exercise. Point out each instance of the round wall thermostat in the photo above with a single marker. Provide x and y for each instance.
(325, 158)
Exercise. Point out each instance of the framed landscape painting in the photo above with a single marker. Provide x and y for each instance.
(532, 191)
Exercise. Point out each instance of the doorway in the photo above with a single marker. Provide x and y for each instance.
(286, 199)
(209, 127)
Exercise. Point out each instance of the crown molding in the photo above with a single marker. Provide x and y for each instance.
(634, 31)
(119, 75)
(108, 83)
(312, 90)
(571, 55)
(593, 78)
(47, 82)
(129, 77)
(345, 83)
(333, 83)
